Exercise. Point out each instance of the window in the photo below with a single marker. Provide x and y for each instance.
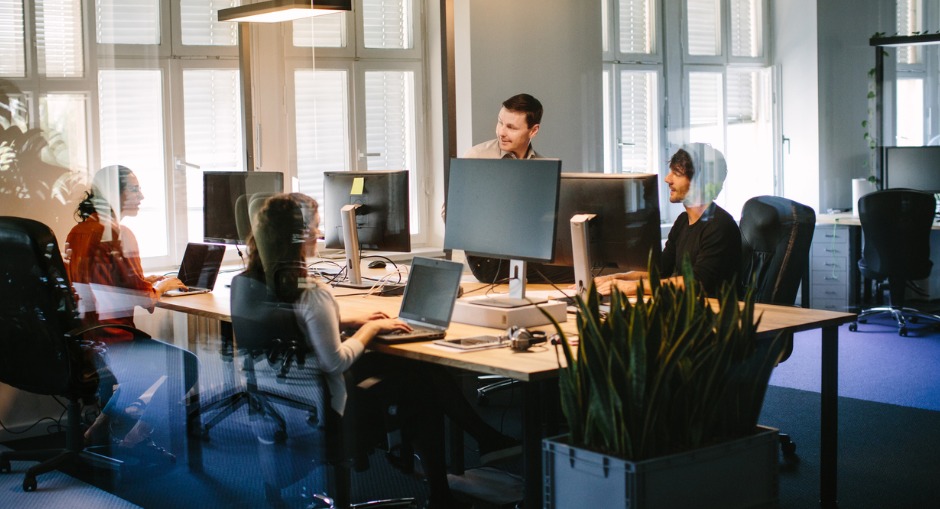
(359, 107)
(714, 72)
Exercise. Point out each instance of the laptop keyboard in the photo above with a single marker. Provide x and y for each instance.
(416, 333)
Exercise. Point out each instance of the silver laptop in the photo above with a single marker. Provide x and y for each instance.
(428, 302)
(199, 268)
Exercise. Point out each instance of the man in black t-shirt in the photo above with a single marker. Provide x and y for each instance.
(705, 232)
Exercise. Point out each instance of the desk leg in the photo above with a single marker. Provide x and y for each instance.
(829, 414)
(532, 444)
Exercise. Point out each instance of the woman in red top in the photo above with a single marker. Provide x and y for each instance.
(105, 270)
(104, 259)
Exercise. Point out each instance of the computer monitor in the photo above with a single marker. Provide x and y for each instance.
(365, 210)
(913, 168)
(504, 208)
(607, 221)
(225, 199)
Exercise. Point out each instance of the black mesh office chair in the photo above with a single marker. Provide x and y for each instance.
(40, 343)
(776, 235)
(896, 226)
(260, 322)
(262, 328)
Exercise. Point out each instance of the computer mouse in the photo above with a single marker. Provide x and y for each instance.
(377, 264)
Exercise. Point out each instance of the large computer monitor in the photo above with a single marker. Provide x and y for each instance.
(365, 210)
(226, 195)
(607, 221)
(504, 208)
(913, 168)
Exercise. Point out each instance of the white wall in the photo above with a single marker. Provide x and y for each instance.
(795, 46)
(548, 48)
(844, 58)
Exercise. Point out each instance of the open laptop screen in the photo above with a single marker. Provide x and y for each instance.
(200, 265)
(431, 291)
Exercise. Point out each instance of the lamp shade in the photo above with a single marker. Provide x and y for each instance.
(273, 11)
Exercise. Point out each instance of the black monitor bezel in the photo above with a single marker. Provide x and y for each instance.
(640, 227)
(391, 241)
(227, 208)
(498, 183)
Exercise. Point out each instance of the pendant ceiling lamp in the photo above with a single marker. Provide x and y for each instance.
(273, 11)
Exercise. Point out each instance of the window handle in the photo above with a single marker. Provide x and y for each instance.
(182, 164)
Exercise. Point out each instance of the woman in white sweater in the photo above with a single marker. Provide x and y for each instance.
(284, 234)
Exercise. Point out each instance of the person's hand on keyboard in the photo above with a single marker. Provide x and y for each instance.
(168, 283)
(354, 322)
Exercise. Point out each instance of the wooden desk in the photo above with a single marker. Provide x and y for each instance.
(847, 218)
(541, 364)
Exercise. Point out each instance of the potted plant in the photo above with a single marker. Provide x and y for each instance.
(661, 399)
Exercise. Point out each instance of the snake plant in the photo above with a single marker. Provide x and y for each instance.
(673, 371)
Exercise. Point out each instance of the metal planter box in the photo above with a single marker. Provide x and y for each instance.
(741, 474)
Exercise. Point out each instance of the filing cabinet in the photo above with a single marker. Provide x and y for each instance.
(833, 267)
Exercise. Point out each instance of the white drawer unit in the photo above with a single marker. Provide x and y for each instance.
(833, 274)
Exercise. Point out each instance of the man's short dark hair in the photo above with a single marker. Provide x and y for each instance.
(525, 103)
(681, 161)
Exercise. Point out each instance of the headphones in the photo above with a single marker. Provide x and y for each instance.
(520, 338)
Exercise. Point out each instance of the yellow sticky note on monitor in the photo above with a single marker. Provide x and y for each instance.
(357, 186)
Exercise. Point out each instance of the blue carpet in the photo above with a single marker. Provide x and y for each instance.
(875, 364)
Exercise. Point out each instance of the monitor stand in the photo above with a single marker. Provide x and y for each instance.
(353, 253)
(581, 252)
(516, 309)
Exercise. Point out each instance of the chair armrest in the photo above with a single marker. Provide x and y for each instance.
(81, 331)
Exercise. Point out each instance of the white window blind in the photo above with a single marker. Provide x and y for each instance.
(703, 22)
(908, 21)
(636, 26)
(706, 105)
(213, 131)
(199, 25)
(387, 24)
(742, 97)
(637, 120)
(390, 127)
(128, 21)
(12, 32)
(327, 31)
(63, 119)
(322, 124)
(745, 28)
(59, 38)
(132, 134)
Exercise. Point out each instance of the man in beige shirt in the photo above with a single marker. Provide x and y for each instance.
(517, 123)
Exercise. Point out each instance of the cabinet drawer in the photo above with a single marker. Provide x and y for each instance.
(824, 292)
(831, 304)
(829, 278)
(824, 249)
(830, 235)
(836, 263)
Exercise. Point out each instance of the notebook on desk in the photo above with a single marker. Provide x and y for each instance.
(199, 268)
(428, 302)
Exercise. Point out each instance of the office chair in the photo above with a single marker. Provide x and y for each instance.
(776, 235)
(40, 341)
(262, 326)
(261, 321)
(896, 225)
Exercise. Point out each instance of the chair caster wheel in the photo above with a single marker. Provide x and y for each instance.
(788, 449)
(853, 327)
(902, 331)
(5, 466)
(29, 484)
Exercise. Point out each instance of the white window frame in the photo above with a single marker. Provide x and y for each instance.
(357, 60)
